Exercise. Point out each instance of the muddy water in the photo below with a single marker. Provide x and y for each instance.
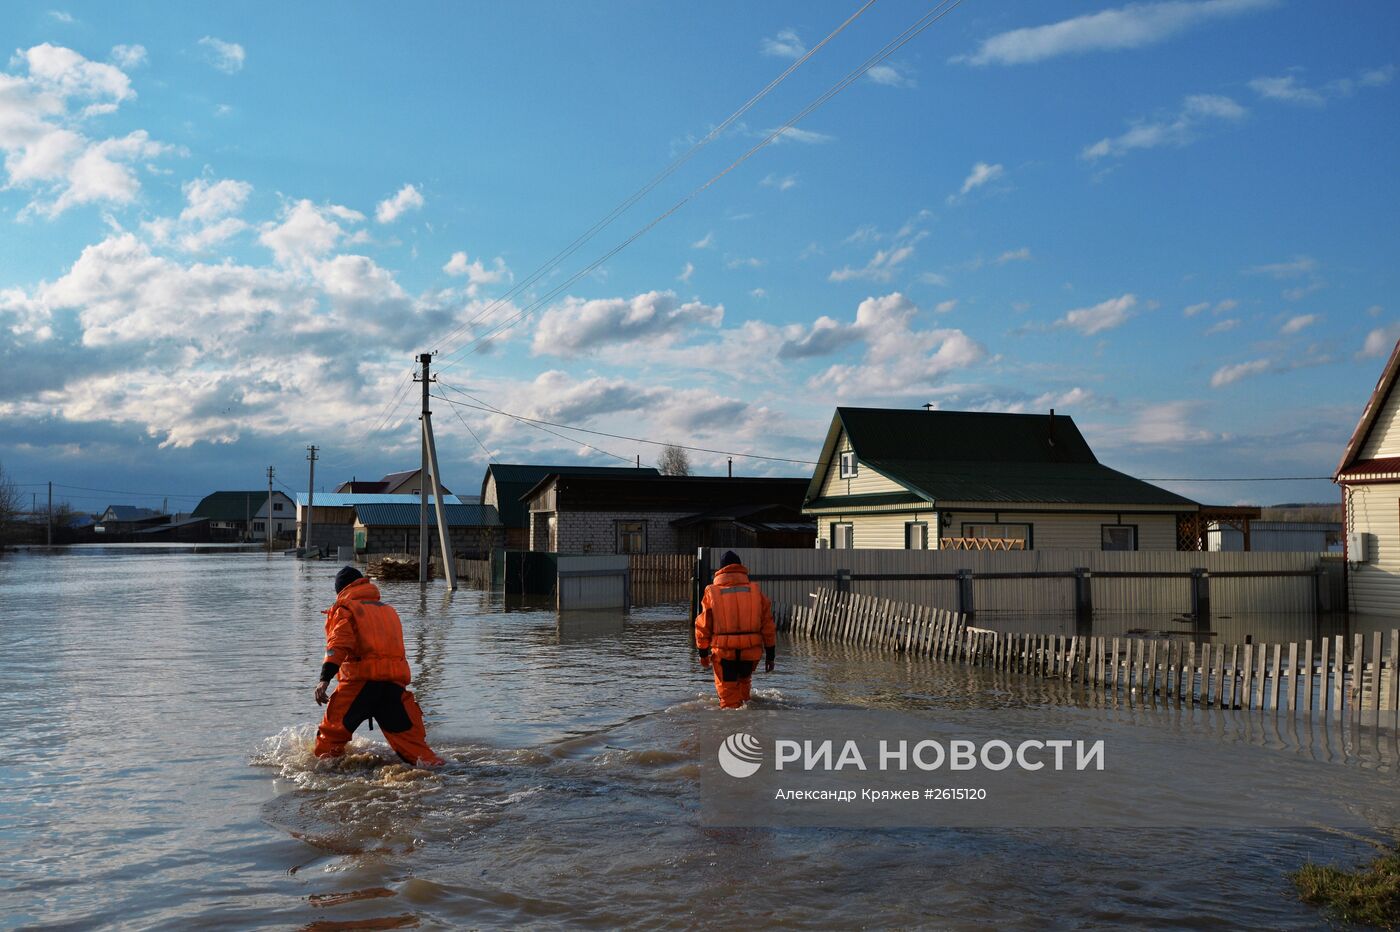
(155, 773)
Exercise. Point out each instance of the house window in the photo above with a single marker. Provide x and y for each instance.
(916, 536)
(1021, 532)
(1119, 537)
(848, 465)
(276, 506)
(842, 535)
(631, 536)
(257, 525)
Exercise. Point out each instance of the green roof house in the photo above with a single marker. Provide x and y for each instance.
(893, 478)
(247, 512)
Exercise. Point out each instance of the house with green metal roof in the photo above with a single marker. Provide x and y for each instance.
(505, 484)
(248, 513)
(392, 527)
(921, 479)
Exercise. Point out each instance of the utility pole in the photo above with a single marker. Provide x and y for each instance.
(310, 498)
(267, 525)
(430, 468)
(50, 533)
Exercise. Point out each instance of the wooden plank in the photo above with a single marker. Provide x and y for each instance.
(1170, 665)
(1247, 693)
(1291, 696)
(1188, 675)
(1113, 666)
(1205, 673)
(1324, 694)
(1375, 705)
(1358, 671)
(1394, 691)
(1220, 676)
(1274, 672)
(1152, 669)
(1338, 672)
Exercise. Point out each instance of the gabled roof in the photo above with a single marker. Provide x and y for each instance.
(233, 506)
(513, 480)
(1384, 386)
(667, 493)
(406, 515)
(347, 499)
(970, 456)
(130, 513)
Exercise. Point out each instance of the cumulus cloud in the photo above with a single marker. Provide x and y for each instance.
(981, 174)
(1380, 341)
(1298, 265)
(46, 149)
(786, 44)
(306, 231)
(1222, 326)
(1228, 375)
(1105, 315)
(1013, 255)
(705, 242)
(686, 272)
(127, 57)
(890, 75)
(477, 272)
(1178, 130)
(1290, 88)
(1287, 88)
(390, 209)
(944, 307)
(781, 182)
(880, 268)
(1168, 422)
(576, 326)
(793, 134)
(1129, 27)
(1297, 323)
(227, 57)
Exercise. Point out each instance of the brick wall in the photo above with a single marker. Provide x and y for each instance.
(405, 540)
(596, 531)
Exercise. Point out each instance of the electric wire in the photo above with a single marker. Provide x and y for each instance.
(628, 202)
(910, 33)
(534, 425)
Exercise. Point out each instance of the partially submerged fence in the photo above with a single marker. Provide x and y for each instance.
(659, 578)
(1328, 675)
(1082, 583)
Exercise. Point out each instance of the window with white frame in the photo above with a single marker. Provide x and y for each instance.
(849, 466)
(842, 535)
(1119, 537)
(631, 536)
(916, 536)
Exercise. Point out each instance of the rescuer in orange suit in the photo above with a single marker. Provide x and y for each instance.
(365, 653)
(734, 629)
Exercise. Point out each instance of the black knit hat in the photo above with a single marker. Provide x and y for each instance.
(730, 558)
(345, 577)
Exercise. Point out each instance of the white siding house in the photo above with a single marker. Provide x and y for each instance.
(907, 479)
(1369, 475)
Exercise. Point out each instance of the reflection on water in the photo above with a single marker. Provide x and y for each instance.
(158, 773)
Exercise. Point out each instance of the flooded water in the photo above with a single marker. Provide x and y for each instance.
(156, 773)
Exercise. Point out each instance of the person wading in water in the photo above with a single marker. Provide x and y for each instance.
(365, 653)
(734, 629)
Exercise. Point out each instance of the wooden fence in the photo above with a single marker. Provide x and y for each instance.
(1328, 676)
(658, 578)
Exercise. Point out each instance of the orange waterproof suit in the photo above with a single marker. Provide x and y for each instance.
(733, 630)
(364, 641)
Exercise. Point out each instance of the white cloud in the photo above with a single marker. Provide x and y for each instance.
(705, 242)
(306, 232)
(899, 360)
(1013, 255)
(799, 135)
(1227, 375)
(786, 44)
(127, 57)
(1298, 323)
(880, 268)
(576, 326)
(686, 272)
(1177, 130)
(745, 262)
(1133, 26)
(1194, 309)
(390, 209)
(209, 201)
(476, 272)
(1105, 315)
(945, 307)
(781, 182)
(227, 57)
(1380, 341)
(758, 293)
(1222, 326)
(69, 74)
(62, 17)
(1168, 423)
(1377, 77)
(1298, 265)
(102, 172)
(890, 75)
(1287, 88)
(981, 174)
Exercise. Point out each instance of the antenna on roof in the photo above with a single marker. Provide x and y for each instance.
(928, 406)
(1052, 427)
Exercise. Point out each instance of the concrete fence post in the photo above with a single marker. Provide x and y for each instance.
(1200, 597)
(965, 603)
(1083, 597)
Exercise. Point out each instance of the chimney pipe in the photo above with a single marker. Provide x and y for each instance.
(1052, 427)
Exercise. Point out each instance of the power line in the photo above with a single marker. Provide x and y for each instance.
(911, 32)
(628, 202)
(83, 488)
(602, 433)
(490, 458)
(1245, 479)
(536, 426)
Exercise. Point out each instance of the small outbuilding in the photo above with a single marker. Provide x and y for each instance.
(1369, 475)
(474, 530)
(505, 483)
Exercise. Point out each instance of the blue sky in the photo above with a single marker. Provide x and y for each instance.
(226, 232)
